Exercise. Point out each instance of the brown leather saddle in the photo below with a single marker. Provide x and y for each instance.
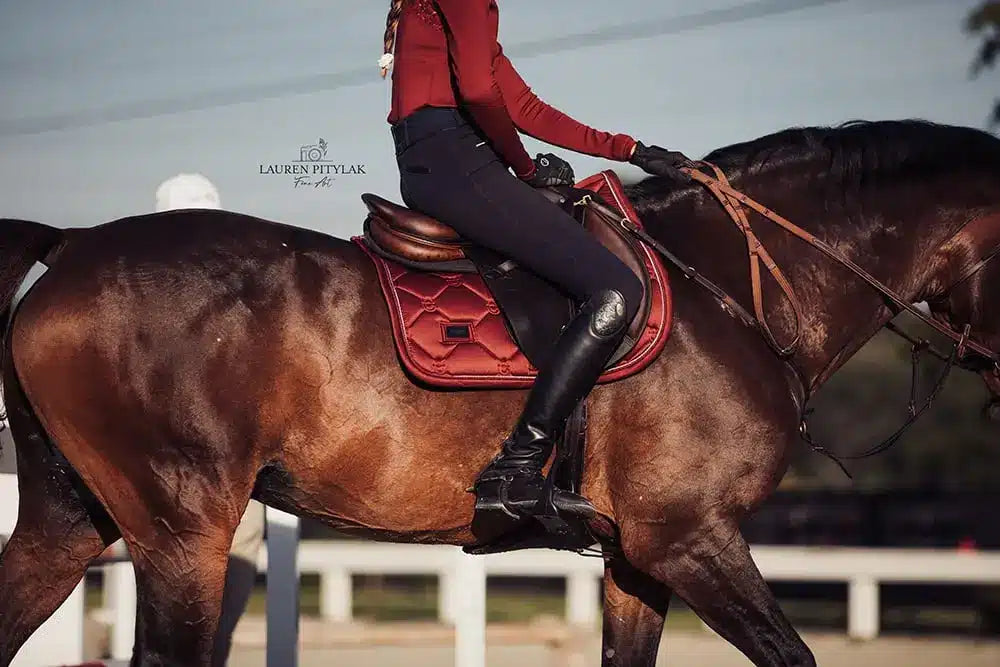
(534, 311)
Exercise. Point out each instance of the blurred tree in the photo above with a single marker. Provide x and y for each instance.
(984, 21)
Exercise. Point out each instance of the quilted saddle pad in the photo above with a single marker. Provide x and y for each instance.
(449, 331)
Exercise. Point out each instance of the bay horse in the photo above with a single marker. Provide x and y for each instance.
(168, 367)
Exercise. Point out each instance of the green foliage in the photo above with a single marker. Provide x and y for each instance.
(984, 22)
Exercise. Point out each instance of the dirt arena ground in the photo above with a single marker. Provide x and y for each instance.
(701, 648)
(678, 650)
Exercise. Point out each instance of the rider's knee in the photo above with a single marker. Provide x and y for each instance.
(612, 311)
(629, 288)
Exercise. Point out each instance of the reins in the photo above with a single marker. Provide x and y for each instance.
(733, 202)
(731, 199)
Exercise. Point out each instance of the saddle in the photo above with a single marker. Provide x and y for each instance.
(464, 316)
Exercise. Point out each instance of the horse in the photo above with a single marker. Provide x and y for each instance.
(168, 367)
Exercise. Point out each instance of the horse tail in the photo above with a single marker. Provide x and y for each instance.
(22, 243)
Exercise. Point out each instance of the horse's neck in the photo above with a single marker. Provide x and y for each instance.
(896, 236)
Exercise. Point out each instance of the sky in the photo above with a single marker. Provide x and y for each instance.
(100, 101)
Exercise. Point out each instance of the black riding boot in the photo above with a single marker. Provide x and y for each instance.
(513, 482)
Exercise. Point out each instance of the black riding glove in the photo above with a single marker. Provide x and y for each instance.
(660, 162)
(551, 170)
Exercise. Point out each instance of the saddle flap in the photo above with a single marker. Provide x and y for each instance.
(606, 187)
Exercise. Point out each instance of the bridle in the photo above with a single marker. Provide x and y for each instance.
(733, 202)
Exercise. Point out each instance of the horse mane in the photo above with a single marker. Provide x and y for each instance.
(854, 153)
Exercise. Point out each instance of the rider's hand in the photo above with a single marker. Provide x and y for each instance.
(551, 170)
(660, 162)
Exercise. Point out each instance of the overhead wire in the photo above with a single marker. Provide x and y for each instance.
(243, 94)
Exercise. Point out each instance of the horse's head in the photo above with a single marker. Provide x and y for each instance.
(960, 294)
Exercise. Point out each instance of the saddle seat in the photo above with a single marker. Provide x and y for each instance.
(413, 235)
(464, 315)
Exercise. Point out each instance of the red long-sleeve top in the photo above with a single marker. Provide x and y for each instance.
(447, 55)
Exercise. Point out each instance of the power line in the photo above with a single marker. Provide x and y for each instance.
(362, 75)
(667, 26)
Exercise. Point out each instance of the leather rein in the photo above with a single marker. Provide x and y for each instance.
(733, 202)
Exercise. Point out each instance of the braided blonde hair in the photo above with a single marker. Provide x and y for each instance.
(389, 39)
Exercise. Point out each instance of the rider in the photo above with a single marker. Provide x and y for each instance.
(457, 106)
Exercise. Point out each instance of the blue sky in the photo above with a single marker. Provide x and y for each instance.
(103, 100)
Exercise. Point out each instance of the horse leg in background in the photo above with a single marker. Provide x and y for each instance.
(715, 575)
(241, 574)
(180, 566)
(179, 585)
(61, 529)
(635, 607)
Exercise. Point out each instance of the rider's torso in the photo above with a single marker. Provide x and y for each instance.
(421, 74)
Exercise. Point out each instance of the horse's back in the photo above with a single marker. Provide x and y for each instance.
(192, 235)
(183, 259)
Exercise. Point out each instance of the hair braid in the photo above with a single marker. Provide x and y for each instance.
(389, 39)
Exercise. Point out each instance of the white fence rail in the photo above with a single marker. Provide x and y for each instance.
(336, 561)
(863, 570)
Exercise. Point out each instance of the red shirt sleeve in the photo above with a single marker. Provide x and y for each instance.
(471, 47)
(536, 118)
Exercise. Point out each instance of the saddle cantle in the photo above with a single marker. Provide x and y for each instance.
(464, 316)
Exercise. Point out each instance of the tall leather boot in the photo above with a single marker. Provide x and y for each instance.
(513, 482)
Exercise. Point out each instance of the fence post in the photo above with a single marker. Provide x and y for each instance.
(119, 596)
(581, 600)
(282, 588)
(469, 605)
(336, 597)
(862, 608)
(446, 597)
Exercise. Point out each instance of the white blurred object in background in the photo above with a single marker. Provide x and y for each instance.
(186, 191)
